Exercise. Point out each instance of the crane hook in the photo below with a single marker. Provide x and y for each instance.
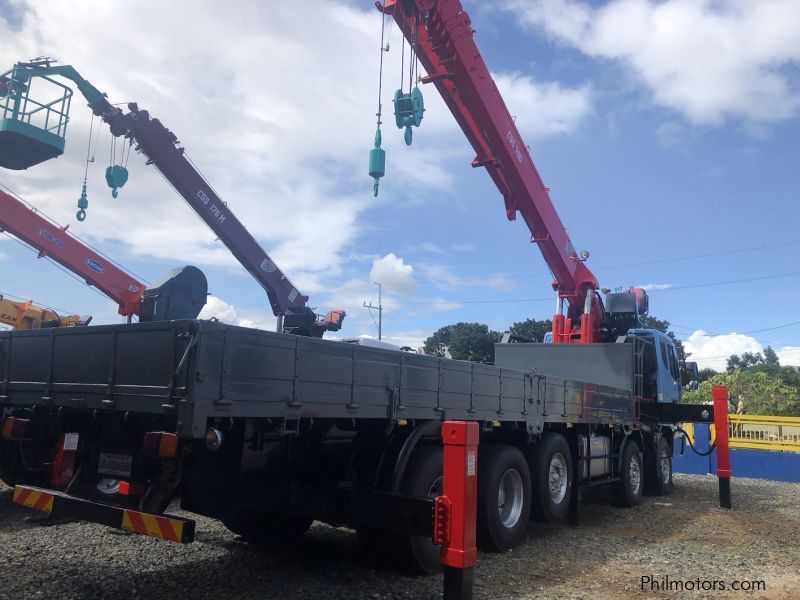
(83, 203)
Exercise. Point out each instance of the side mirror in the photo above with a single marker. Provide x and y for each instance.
(693, 385)
(690, 373)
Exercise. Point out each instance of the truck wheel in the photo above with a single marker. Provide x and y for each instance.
(424, 476)
(662, 471)
(261, 527)
(628, 490)
(551, 468)
(504, 497)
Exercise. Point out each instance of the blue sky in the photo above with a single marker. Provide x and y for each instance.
(665, 130)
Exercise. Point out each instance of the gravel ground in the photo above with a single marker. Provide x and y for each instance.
(684, 536)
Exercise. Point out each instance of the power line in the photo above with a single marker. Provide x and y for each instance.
(596, 268)
(58, 266)
(737, 332)
(675, 287)
(60, 311)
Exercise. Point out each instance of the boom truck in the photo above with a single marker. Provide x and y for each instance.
(268, 431)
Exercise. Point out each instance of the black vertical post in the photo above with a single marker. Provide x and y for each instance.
(458, 583)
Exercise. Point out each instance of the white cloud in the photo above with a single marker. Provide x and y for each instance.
(443, 278)
(543, 109)
(4, 256)
(710, 60)
(712, 351)
(394, 274)
(655, 287)
(789, 356)
(219, 309)
(283, 139)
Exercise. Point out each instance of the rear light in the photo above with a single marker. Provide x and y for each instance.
(159, 444)
(8, 427)
(64, 463)
(16, 429)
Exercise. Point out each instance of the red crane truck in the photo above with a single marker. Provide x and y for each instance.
(268, 431)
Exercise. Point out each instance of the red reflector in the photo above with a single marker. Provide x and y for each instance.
(130, 489)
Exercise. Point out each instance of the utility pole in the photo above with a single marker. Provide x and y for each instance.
(379, 308)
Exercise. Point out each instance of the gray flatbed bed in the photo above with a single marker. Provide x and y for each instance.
(203, 369)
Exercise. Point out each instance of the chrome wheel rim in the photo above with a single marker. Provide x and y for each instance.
(635, 473)
(665, 467)
(510, 498)
(557, 478)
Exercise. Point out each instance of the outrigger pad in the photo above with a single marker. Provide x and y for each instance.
(18, 151)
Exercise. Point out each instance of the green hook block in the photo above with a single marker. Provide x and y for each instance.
(377, 161)
(116, 177)
(408, 111)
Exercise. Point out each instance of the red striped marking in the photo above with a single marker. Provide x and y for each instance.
(22, 496)
(167, 532)
(41, 502)
(137, 522)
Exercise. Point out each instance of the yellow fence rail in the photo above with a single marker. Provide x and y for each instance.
(759, 432)
(764, 433)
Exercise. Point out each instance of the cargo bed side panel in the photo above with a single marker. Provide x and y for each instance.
(104, 367)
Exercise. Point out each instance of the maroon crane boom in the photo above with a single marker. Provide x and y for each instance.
(22, 145)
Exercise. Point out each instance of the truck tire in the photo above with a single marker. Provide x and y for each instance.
(628, 490)
(660, 480)
(262, 527)
(551, 471)
(504, 497)
(423, 477)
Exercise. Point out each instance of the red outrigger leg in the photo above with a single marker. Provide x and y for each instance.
(723, 449)
(456, 510)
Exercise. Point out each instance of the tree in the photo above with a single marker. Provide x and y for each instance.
(463, 341)
(767, 363)
(752, 392)
(771, 357)
(705, 374)
(531, 328)
(745, 361)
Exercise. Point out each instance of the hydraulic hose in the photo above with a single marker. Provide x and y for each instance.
(695, 450)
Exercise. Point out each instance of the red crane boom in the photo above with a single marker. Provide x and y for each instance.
(51, 240)
(442, 35)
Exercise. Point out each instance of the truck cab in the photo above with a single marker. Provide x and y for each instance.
(660, 369)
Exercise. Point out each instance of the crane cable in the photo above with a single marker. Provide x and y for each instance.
(377, 156)
(83, 201)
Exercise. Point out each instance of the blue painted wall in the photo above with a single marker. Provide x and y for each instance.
(760, 464)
